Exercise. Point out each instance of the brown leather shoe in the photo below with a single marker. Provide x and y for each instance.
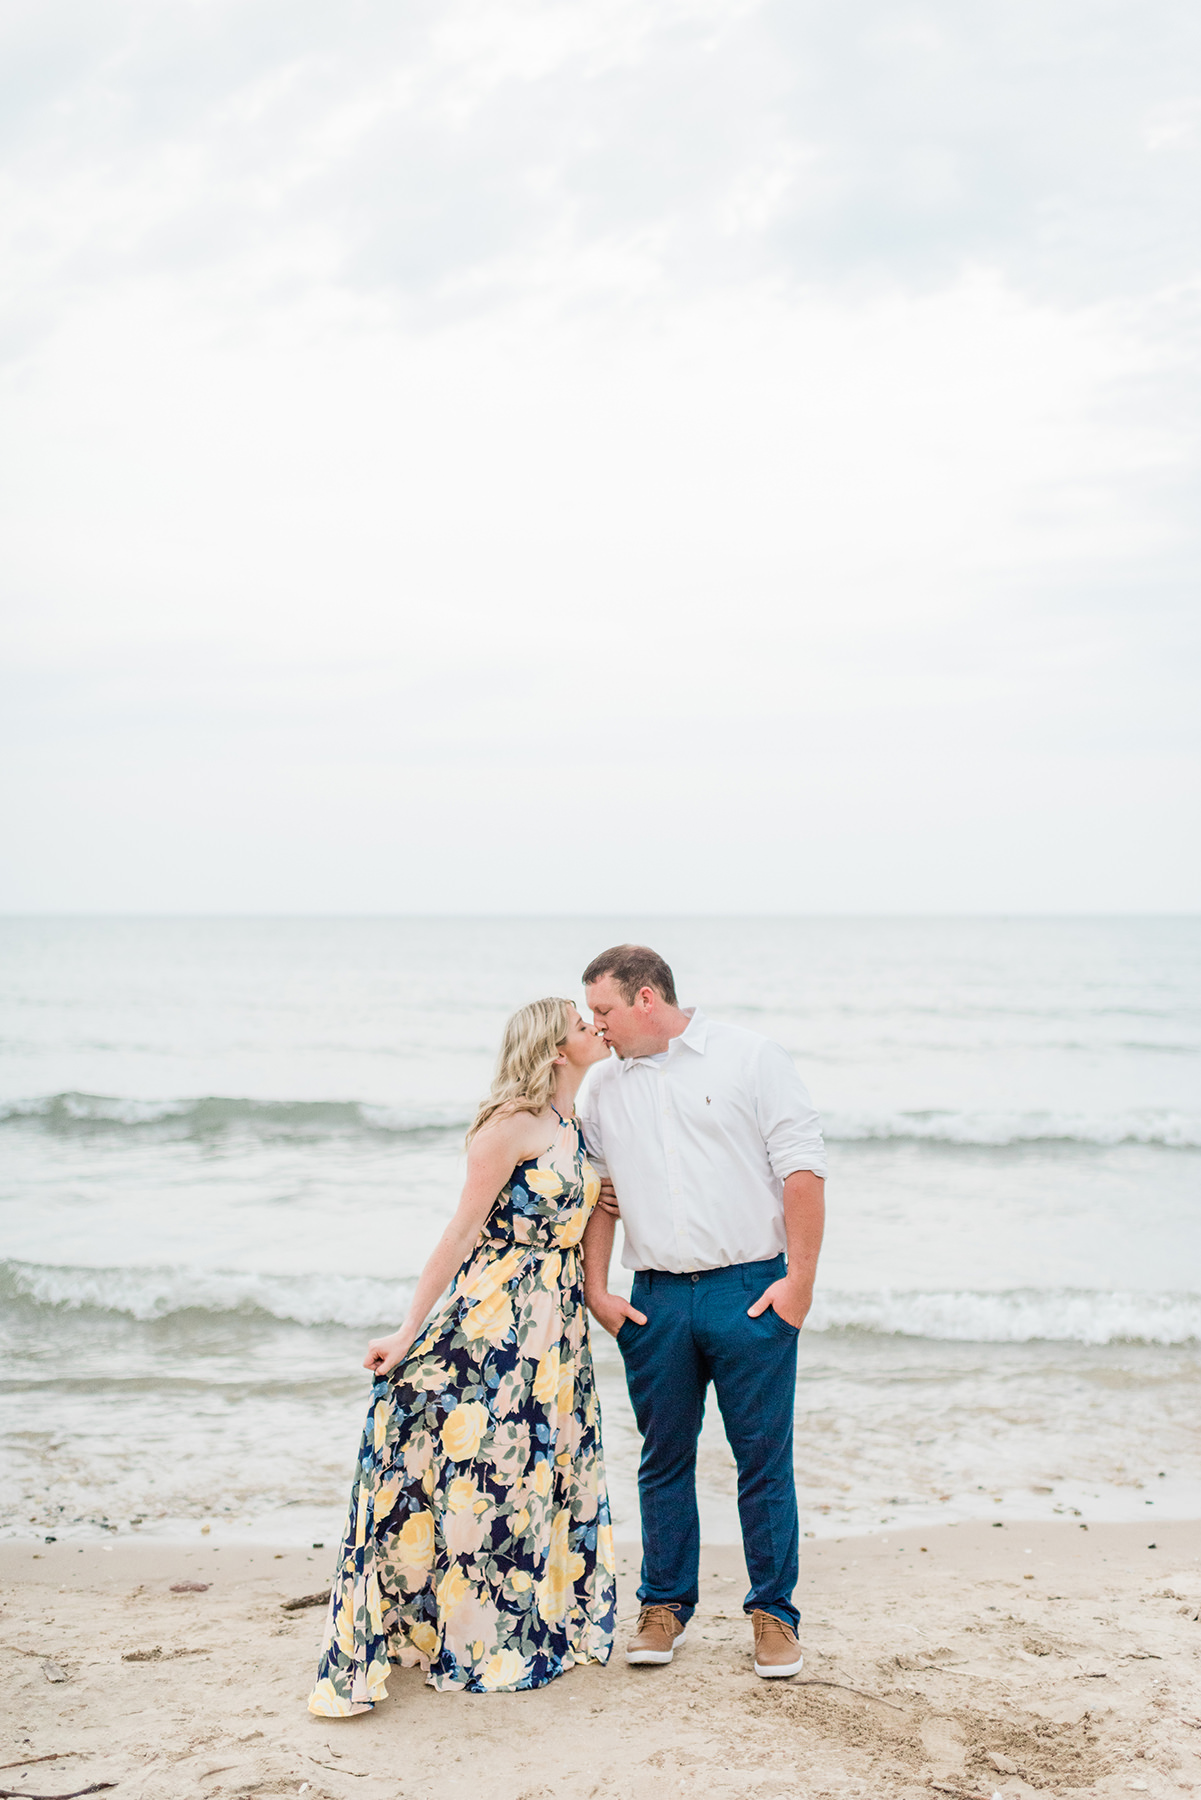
(777, 1648)
(658, 1636)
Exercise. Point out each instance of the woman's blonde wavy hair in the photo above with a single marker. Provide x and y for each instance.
(525, 1069)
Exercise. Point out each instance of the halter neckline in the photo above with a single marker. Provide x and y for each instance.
(570, 1120)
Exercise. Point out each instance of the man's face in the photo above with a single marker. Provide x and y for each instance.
(583, 1044)
(624, 1026)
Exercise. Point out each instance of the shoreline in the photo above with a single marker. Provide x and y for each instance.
(1072, 1654)
(1178, 1502)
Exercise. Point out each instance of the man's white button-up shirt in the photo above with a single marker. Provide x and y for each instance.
(698, 1145)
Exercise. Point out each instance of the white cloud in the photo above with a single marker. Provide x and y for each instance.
(754, 441)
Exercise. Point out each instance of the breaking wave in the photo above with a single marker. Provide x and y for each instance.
(1022, 1315)
(70, 1115)
(161, 1293)
(201, 1120)
(1019, 1316)
(999, 1130)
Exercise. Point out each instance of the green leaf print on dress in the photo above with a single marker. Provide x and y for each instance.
(478, 1541)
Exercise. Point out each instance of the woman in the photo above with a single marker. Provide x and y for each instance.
(478, 1542)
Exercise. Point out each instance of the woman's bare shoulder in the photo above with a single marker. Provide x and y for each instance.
(512, 1131)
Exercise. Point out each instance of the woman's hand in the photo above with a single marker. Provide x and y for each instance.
(383, 1354)
(607, 1199)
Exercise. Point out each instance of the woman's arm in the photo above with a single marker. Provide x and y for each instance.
(494, 1154)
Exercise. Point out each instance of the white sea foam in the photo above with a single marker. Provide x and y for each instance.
(1174, 1130)
(212, 1115)
(74, 1113)
(160, 1293)
(361, 1301)
(1020, 1316)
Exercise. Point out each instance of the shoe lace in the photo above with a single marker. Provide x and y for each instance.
(767, 1625)
(647, 1616)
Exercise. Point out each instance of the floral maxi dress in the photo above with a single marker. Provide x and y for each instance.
(478, 1541)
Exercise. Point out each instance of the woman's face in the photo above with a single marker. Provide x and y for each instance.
(583, 1045)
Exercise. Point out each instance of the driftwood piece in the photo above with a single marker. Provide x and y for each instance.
(97, 1787)
(817, 1681)
(303, 1600)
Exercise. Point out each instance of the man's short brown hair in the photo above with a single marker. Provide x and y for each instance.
(633, 966)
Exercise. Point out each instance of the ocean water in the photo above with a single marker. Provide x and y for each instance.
(226, 1147)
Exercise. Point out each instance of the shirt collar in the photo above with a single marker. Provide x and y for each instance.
(693, 1036)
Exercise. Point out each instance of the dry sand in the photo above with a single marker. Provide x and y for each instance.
(1072, 1657)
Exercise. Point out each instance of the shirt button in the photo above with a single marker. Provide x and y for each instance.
(696, 1278)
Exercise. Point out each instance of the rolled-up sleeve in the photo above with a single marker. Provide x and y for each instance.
(788, 1120)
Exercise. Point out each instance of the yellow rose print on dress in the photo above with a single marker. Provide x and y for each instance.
(481, 1279)
(464, 1429)
(563, 1569)
(381, 1425)
(327, 1702)
(479, 1542)
(569, 1234)
(414, 1547)
(504, 1670)
(546, 1182)
(491, 1318)
(453, 1587)
(546, 1381)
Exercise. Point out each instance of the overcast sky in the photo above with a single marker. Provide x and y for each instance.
(612, 454)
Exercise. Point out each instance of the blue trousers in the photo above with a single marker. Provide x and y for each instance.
(697, 1332)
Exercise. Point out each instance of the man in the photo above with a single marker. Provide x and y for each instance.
(716, 1155)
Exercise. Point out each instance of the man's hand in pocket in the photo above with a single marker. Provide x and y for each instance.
(611, 1311)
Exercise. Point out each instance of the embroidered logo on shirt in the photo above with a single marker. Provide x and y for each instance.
(708, 1102)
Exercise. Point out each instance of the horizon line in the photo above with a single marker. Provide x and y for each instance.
(269, 914)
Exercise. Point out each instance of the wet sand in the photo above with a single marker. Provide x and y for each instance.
(967, 1659)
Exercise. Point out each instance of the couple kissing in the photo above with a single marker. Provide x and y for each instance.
(478, 1542)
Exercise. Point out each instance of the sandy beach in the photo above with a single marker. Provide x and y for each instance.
(964, 1660)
